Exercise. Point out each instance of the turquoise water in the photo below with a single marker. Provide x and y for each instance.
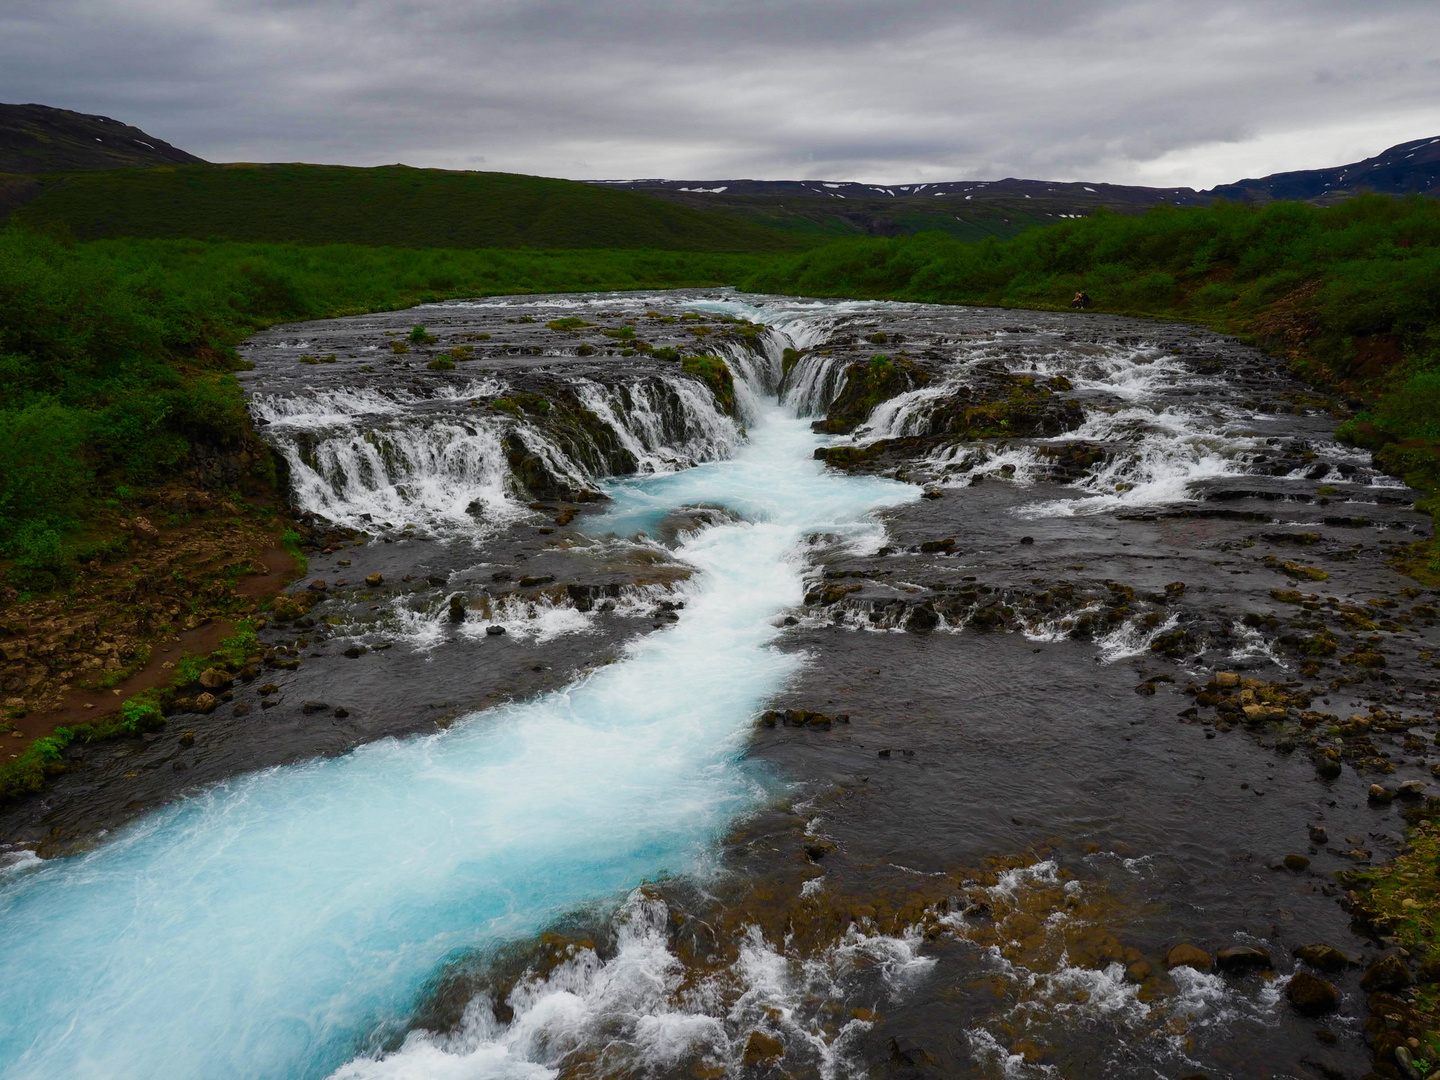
(271, 925)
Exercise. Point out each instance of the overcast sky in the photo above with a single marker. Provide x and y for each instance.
(1157, 92)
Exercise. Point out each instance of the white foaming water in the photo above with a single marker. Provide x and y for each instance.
(274, 924)
(636, 1012)
(1165, 453)
(358, 456)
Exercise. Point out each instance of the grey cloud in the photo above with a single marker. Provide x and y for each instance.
(844, 89)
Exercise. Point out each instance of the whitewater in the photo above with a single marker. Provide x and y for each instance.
(286, 923)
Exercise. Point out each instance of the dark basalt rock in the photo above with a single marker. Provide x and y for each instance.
(1387, 973)
(1310, 995)
(1323, 957)
(1242, 958)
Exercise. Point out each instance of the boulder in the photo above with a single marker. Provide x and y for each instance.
(494, 631)
(1227, 679)
(922, 618)
(1387, 973)
(1380, 794)
(206, 703)
(374, 579)
(1411, 789)
(1187, 955)
(145, 531)
(215, 679)
(1323, 957)
(1311, 995)
(1242, 958)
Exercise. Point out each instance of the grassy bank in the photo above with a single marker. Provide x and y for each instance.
(1350, 293)
(115, 356)
(391, 206)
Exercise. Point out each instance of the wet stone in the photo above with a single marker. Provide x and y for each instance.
(1311, 995)
(1187, 955)
(1323, 957)
(1387, 973)
(1242, 958)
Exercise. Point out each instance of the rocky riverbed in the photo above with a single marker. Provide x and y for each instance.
(1073, 752)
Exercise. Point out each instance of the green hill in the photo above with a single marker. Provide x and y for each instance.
(392, 206)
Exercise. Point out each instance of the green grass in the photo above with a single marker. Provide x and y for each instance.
(392, 206)
(115, 356)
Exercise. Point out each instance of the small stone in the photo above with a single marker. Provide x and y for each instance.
(1227, 679)
(1411, 789)
(374, 579)
(188, 739)
(882, 753)
(1186, 955)
(268, 689)
(1027, 540)
(762, 1049)
(1322, 956)
(354, 652)
(1387, 973)
(341, 712)
(206, 703)
(457, 609)
(269, 703)
(1296, 863)
(1311, 995)
(318, 585)
(310, 707)
(1318, 835)
(1139, 971)
(933, 493)
(494, 631)
(1380, 794)
(1241, 958)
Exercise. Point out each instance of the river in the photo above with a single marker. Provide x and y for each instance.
(597, 576)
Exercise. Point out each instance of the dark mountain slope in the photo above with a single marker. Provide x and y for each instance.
(41, 139)
(1410, 168)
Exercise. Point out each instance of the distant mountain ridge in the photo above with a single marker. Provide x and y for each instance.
(974, 208)
(42, 139)
(94, 173)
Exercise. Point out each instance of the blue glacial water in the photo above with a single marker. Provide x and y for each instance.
(270, 926)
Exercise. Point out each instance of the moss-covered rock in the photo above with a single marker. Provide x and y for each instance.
(716, 375)
(867, 384)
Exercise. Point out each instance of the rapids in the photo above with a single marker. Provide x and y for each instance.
(270, 925)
